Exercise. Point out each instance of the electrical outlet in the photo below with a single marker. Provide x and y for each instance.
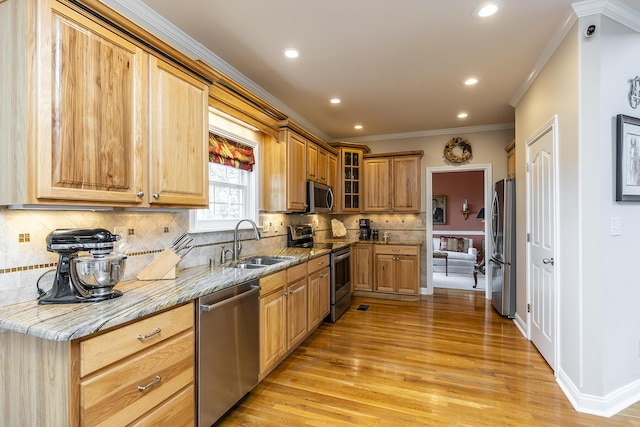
(265, 227)
(122, 232)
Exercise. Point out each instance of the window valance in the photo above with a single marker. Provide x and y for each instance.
(230, 153)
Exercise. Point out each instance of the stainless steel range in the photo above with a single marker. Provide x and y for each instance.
(301, 236)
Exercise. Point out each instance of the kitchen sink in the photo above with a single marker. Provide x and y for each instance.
(259, 262)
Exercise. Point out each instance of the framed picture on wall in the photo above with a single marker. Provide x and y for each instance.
(439, 206)
(628, 159)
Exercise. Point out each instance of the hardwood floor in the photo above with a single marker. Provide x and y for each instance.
(449, 359)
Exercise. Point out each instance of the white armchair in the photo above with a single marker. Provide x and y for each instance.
(460, 255)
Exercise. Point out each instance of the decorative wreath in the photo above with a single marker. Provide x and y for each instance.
(462, 144)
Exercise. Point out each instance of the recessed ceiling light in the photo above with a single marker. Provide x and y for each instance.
(335, 100)
(488, 8)
(463, 115)
(471, 81)
(291, 53)
(358, 127)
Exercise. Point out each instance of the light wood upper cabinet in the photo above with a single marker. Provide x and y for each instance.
(377, 176)
(178, 139)
(392, 182)
(312, 161)
(511, 159)
(332, 171)
(90, 101)
(296, 176)
(323, 171)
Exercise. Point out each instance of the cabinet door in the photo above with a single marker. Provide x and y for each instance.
(297, 173)
(332, 173)
(325, 292)
(362, 277)
(384, 273)
(312, 162)
(351, 170)
(377, 173)
(179, 137)
(95, 149)
(318, 284)
(322, 166)
(297, 311)
(273, 329)
(406, 274)
(406, 184)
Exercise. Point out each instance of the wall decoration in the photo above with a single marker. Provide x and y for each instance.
(634, 93)
(628, 159)
(439, 206)
(458, 150)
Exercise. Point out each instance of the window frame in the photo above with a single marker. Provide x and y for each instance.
(252, 197)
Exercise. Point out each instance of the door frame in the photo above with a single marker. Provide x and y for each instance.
(488, 194)
(550, 126)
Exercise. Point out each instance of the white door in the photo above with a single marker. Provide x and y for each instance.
(541, 208)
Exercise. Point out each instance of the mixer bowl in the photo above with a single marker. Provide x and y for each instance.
(100, 274)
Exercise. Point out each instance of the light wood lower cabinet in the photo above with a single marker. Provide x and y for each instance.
(110, 379)
(154, 366)
(362, 279)
(319, 282)
(293, 303)
(397, 269)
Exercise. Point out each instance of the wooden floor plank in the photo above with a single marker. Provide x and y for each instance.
(448, 359)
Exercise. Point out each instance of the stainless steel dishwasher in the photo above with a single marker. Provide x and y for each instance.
(228, 349)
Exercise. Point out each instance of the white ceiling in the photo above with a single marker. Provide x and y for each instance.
(398, 66)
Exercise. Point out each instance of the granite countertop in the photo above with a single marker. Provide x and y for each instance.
(65, 322)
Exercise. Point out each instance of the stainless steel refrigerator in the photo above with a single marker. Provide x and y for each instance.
(503, 268)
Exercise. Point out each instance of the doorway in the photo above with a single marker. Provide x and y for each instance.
(488, 191)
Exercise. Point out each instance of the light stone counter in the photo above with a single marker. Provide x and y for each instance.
(64, 322)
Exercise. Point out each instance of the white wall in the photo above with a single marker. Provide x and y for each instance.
(555, 92)
(586, 83)
(614, 290)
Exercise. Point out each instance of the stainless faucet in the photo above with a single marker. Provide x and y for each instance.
(223, 254)
(237, 247)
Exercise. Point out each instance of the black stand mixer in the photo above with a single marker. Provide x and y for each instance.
(84, 278)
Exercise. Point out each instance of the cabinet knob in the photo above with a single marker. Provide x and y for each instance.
(156, 195)
(140, 193)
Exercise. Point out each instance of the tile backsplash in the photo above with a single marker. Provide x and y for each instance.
(24, 257)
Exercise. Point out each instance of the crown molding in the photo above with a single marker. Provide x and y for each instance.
(612, 9)
(544, 57)
(434, 132)
(152, 21)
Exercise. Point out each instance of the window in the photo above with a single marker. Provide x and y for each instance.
(233, 192)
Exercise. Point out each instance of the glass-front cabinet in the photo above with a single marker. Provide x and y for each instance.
(348, 191)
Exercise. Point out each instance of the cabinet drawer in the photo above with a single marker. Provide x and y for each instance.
(178, 411)
(297, 272)
(272, 282)
(100, 351)
(113, 398)
(318, 263)
(396, 250)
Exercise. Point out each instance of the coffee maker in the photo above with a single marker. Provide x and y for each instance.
(88, 278)
(365, 229)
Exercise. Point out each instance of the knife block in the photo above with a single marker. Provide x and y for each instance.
(164, 266)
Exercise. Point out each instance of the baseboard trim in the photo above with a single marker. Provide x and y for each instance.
(603, 406)
(521, 325)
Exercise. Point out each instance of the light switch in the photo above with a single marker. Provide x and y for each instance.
(616, 226)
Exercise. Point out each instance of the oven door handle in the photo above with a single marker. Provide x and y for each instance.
(340, 257)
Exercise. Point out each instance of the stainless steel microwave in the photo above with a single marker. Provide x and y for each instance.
(319, 197)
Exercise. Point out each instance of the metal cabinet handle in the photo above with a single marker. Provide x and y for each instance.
(322, 275)
(395, 250)
(151, 384)
(144, 337)
(548, 261)
(140, 193)
(321, 262)
(156, 195)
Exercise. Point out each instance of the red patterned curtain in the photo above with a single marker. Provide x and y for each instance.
(230, 153)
